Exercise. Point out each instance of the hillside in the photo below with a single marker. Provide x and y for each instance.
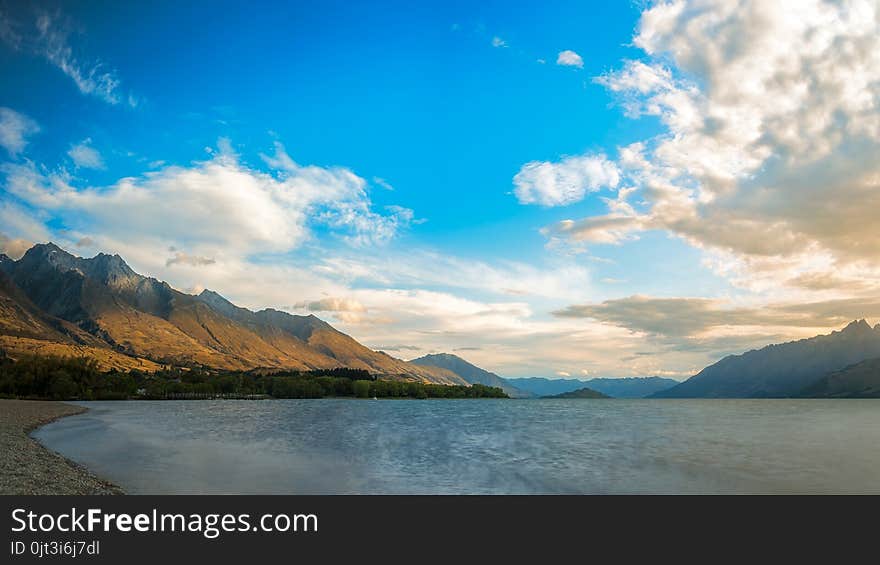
(53, 301)
(470, 372)
(861, 380)
(580, 393)
(782, 370)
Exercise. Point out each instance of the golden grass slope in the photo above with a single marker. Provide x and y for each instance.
(107, 358)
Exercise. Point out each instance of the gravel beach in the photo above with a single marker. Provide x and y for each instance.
(26, 467)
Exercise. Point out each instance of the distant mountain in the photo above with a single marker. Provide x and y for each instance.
(540, 386)
(861, 380)
(782, 370)
(631, 387)
(470, 373)
(585, 392)
(628, 387)
(53, 301)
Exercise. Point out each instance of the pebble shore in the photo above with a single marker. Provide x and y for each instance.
(26, 467)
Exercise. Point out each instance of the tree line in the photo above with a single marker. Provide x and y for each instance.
(78, 378)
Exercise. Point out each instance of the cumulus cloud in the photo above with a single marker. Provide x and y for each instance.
(569, 58)
(772, 133)
(15, 128)
(86, 156)
(564, 182)
(220, 205)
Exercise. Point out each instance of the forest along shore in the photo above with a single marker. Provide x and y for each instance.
(27, 467)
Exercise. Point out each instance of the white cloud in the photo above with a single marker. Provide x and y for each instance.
(15, 128)
(498, 42)
(768, 161)
(86, 156)
(218, 205)
(564, 182)
(569, 58)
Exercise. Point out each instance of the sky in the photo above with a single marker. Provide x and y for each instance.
(558, 189)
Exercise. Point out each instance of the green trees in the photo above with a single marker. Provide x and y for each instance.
(67, 378)
(361, 389)
(49, 377)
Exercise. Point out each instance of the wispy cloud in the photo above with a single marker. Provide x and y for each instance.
(49, 36)
(333, 304)
(397, 347)
(181, 258)
(86, 156)
(383, 183)
(15, 128)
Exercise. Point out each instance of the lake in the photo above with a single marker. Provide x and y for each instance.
(477, 446)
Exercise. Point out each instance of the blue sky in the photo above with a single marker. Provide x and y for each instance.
(448, 130)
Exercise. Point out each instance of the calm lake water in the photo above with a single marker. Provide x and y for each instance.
(478, 446)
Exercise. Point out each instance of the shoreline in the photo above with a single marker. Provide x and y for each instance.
(28, 467)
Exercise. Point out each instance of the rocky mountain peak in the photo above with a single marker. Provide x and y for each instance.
(109, 268)
(52, 255)
(857, 327)
(209, 294)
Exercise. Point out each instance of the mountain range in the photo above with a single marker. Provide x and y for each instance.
(53, 302)
(819, 366)
(471, 373)
(626, 387)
